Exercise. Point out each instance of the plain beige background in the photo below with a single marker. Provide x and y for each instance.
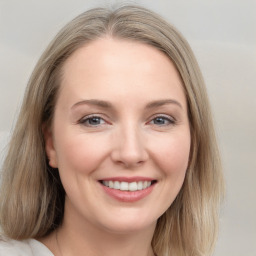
(222, 34)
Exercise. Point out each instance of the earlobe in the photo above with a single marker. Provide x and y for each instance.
(49, 147)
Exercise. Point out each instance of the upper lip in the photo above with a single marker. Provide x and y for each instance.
(128, 179)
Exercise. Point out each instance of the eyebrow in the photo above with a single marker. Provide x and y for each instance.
(105, 104)
(94, 102)
(159, 103)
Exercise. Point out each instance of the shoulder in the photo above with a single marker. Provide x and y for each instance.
(30, 247)
(15, 248)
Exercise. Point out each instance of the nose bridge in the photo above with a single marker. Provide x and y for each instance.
(130, 145)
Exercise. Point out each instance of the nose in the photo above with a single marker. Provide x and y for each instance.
(129, 147)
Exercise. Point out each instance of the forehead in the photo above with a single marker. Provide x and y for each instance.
(109, 51)
(109, 65)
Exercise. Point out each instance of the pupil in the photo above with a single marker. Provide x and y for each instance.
(159, 120)
(94, 120)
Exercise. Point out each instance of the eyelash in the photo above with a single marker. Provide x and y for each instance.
(165, 118)
(85, 120)
(170, 120)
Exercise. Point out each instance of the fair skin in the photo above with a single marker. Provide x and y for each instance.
(121, 116)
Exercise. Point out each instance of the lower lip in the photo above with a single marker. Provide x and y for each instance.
(128, 196)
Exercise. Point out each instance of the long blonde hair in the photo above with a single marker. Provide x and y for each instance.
(32, 197)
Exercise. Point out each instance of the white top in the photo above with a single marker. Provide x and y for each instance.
(30, 247)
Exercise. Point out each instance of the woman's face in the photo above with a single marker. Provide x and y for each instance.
(120, 135)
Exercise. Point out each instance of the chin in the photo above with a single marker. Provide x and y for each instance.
(129, 224)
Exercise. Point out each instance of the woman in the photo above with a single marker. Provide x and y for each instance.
(114, 151)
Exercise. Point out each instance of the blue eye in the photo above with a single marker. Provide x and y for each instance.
(162, 121)
(92, 121)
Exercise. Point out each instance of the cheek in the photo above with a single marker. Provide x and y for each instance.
(80, 153)
(172, 154)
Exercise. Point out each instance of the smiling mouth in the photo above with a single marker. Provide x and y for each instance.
(128, 186)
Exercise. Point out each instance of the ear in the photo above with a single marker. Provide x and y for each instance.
(49, 146)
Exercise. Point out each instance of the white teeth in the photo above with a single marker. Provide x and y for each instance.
(133, 186)
(116, 185)
(105, 183)
(111, 184)
(124, 185)
(140, 185)
(127, 186)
